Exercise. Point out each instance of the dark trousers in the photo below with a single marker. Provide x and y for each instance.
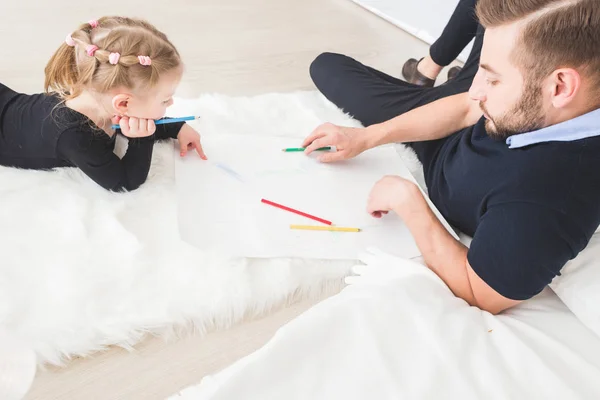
(373, 97)
(459, 31)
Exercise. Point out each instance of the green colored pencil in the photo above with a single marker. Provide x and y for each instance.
(292, 149)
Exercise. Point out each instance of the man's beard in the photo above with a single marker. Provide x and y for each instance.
(525, 116)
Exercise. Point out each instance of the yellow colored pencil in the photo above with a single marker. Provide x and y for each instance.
(324, 228)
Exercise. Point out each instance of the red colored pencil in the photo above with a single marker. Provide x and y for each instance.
(296, 212)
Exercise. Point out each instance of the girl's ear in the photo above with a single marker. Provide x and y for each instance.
(120, 104)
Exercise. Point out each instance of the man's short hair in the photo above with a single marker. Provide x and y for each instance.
(556, 34)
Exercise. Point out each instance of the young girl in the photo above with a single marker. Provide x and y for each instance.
(112, 70)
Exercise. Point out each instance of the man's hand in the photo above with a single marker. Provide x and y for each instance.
(393, 193)
(348, 142)
(436, 120)
(190, 139)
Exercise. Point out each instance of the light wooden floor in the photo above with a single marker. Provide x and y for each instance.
(238, 47)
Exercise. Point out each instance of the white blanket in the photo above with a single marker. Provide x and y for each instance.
(82, 268)
(17, 367)
(398, 333)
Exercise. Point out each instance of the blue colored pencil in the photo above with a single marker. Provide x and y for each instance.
(167, 121)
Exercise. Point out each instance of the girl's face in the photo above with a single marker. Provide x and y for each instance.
(152, 103)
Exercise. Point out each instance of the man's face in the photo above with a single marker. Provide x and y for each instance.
(510, 104)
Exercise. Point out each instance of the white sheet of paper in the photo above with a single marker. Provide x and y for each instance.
(220, 208)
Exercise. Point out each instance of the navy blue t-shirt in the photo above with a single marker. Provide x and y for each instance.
(529, 210)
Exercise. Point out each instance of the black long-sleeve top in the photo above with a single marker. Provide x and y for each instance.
(39, 132)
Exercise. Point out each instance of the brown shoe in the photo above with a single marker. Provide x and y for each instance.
(453, 72)
(411, 73)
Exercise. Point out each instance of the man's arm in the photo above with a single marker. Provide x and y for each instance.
(517, 249)
(443, 254)
(432, 121)
(447, 257)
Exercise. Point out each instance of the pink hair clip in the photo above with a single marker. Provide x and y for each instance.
(69, 40)
(91, 49)
(113, 58)
(93, 23)
(145, 60)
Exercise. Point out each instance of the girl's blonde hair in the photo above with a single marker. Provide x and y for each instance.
(142, 54)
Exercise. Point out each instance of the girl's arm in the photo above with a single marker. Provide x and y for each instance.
(94, 155)
(166, 131)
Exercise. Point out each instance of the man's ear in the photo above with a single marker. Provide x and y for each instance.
(565, 85)
(120, 104)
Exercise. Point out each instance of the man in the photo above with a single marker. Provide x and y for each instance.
(515, 162)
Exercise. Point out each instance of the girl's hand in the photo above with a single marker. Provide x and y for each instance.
(136, 127)
(190, 139)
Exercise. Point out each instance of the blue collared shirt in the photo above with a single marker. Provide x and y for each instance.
(582, 127)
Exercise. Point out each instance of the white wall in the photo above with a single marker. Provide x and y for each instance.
(424, 19)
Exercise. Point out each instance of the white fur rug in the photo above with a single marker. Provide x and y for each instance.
(82, 268)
